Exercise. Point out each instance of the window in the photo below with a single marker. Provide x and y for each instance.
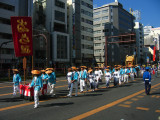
(59, 4)
(87, 38)
(5, 21)
(5, 36)
(87, 21)
(87, 5)
(105, 17)
(87, 29)
(60, 16)
(7, 7)
(97, 25)
(97, 38)
(104, 11)
(97, 13)
(97, 31)
(61, 47)
(86, 13)
(98, 50)
(59, 27)
(97, 44)
(97, 19)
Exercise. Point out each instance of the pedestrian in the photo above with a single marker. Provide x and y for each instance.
(44, 81)
(122, 73)
(97, 74)
(69, 77)
(116, 76)
(51, 82)
(74, 82)
(91, 78)
(101, 73)
(147, 80)
(126, 76)
(37, 84)
(107, 77)
(156, 70)
(83, 79)
(16, 81)
(132, 72)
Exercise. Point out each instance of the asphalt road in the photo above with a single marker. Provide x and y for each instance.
(126, 102)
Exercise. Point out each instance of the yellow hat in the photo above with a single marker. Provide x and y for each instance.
(15, 70)
(96, 67)
(48, 72)
(49, 69)
(74, 68)
(107, 69)
(35, 72)
(43, 71)
(90, 70)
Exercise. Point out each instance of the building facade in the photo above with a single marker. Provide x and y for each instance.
(112, 20)
(140, 56)
(56, 24)
(10, 8)
(80, 28)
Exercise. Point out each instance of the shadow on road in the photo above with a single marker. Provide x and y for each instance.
(57, 104)
(11, 99)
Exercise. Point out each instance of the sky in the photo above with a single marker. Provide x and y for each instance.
(150, 9)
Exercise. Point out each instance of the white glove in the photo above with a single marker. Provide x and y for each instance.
(149, 82)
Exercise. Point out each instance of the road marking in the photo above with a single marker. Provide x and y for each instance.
(128, 102)
(134, 99)
(158, 111)
(153, 96)
(142, 108)
(140, 96)
(122, 105)
(6, 86)
(89, 113)
(6, 94)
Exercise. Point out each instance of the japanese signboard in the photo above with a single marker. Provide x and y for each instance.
(22, 36)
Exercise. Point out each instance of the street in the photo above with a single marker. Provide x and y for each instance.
(126, 102)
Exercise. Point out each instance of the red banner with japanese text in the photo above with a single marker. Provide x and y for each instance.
(154, 53)
(22, 36)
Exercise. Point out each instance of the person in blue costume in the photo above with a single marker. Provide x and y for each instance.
(44, 80)
(74, 82)
(37, 84)
(51, 82)
(147, 80)
(16, 81)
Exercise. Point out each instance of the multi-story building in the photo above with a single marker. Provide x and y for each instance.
(10, 8)
(80, 22)
(147, 30)
(56, 24)
(112, 20)
(139, 43)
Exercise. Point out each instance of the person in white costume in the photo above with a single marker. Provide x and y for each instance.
(107, 77)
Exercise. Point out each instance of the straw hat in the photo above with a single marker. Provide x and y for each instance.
(96, 67)
(35, 72)
(73, 67)
(48, 72)
(107, 69)
(90, 70)
(49, 69)
(15, 70)
(43, 71)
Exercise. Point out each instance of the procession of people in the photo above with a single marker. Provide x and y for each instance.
(44, 81)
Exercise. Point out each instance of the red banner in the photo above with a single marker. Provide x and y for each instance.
(154, 53)
(22, 36)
